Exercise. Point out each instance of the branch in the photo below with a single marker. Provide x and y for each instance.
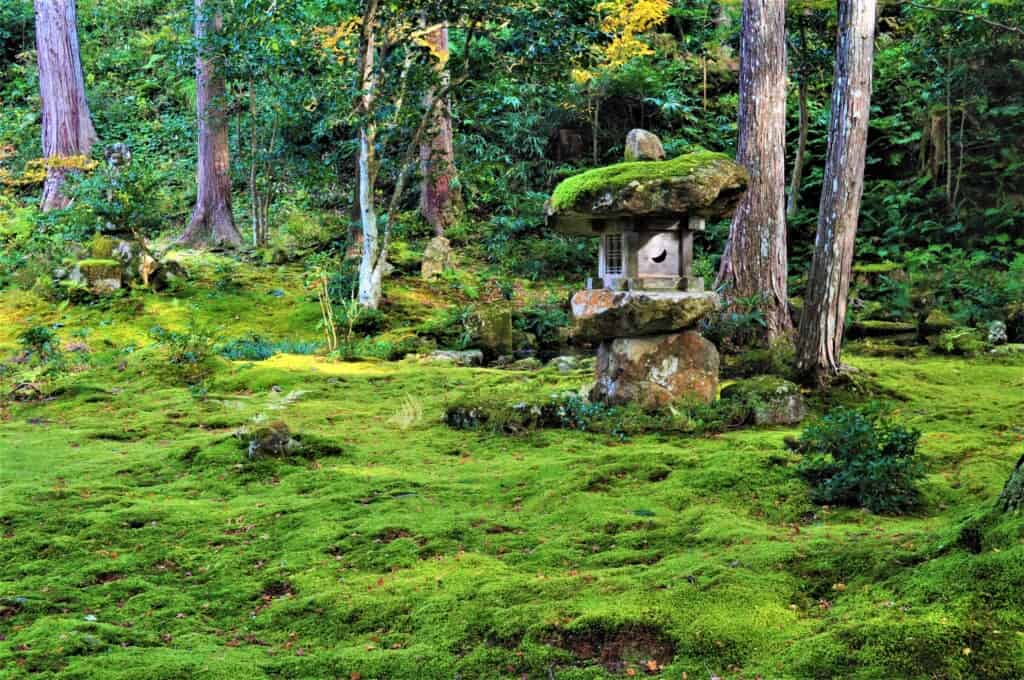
(971, 15)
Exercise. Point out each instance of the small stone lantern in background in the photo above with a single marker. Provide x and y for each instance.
(645, 302)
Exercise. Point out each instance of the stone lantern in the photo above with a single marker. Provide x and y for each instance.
(645, 303)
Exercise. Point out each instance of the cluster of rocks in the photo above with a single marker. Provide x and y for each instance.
(112, 263)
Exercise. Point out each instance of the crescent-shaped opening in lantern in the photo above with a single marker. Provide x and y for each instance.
(660, 257)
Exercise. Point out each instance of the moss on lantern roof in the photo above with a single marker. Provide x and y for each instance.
(568, 192)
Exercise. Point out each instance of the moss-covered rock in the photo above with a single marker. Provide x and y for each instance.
(493, 330)
(700, 183)
(937, 322)
(101, 275)
(769, 400)
(877, 329)
(102, 247)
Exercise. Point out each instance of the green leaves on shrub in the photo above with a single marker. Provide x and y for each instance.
(856, 457)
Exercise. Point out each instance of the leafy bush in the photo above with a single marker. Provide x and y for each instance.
(857, 457)
(40, 341)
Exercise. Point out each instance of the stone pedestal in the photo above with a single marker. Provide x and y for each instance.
(656, 371)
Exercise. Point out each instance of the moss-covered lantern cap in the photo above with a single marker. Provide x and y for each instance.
(699, 184)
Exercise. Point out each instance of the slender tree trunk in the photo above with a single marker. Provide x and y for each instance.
(797, 180)
(67, 125)
(212, 220)
(372, 262)
(754, 263)
(821, 327)
(440, 198)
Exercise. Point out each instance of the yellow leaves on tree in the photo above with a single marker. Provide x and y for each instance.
(35, 169)
(624, 20)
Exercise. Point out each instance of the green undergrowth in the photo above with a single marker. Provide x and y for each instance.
(137, 538)
(567, 193)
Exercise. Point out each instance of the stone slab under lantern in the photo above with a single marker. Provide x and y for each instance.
(600, 314)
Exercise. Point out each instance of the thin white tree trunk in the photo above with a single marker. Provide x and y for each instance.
(371, 265)
(822, 323)
(67, 125)
(755, 262)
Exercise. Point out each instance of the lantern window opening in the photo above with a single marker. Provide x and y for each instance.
(613, 254)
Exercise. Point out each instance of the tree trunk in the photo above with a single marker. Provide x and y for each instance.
(821, 327)
(754, 263)
(801, 154)
(1012, 497)
(371, 265)
(212, 220)
(67, 126)
(439, 195)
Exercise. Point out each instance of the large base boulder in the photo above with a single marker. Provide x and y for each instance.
(602, 313)
(656, 371)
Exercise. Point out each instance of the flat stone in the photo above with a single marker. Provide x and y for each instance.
(601, 314)
(472, 357)
(657, 371)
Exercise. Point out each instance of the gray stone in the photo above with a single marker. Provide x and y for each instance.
(528, 364)
(565, 364)
(601, 314)
(657, 371)
(770, 400)
(642, 145)
(437, 258)
(471, 357)
(997, 333)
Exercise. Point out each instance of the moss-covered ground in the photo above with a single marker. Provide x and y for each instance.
(139, 542)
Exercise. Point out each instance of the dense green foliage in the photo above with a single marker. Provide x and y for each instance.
(857, 457)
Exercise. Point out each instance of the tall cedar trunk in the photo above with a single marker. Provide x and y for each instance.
(821, 326)
(67, 126)
(754, 263)
(439, 194)
(371, 264)
(212, 220)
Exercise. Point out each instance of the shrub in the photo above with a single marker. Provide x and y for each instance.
(40, 341)
(857, 457)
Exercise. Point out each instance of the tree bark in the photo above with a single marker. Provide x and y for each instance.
(67, 125)
(212, 221)
(1012, 497)
(754, 263)
(440, 198)
(822, 324)
(371, 264)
